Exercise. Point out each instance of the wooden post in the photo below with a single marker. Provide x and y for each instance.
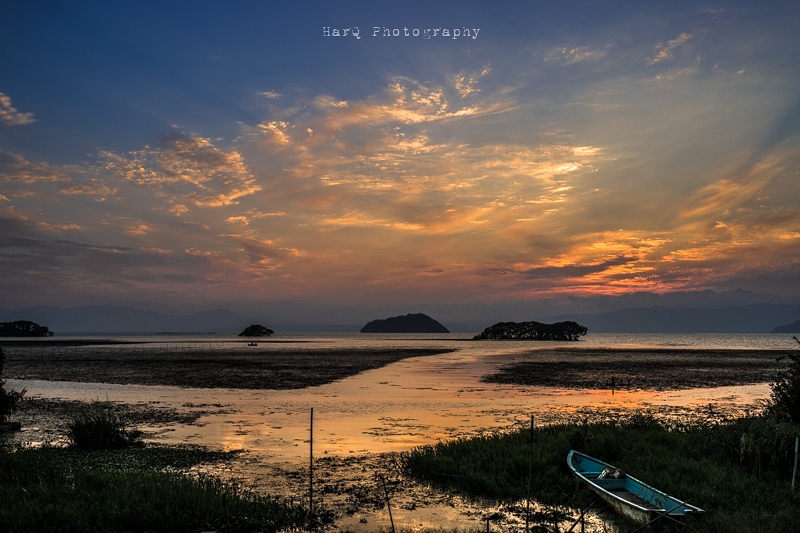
(388, 503)
(311, 467)
(794, 472)
(530, 473)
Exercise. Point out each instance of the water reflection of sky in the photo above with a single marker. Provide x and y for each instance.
(414, 401)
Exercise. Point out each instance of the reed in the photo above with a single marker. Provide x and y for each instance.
(739, 471)
(96, 427)
(70, 490)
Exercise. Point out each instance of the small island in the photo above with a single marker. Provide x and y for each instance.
(410, 323)
(23, 328)
(537, 331)
(256, 330)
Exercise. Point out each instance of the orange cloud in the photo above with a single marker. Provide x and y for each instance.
(187, 167)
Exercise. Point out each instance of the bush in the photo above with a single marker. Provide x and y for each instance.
(97, 428)
(8, 398)
(785, 401)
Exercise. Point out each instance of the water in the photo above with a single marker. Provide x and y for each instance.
(414, 401)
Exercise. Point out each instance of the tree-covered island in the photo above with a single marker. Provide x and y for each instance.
(536, 331)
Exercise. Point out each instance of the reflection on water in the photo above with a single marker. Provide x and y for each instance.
(414, 401)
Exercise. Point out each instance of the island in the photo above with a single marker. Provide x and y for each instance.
(410, 323)
(794, 327)
(256, 330)
(537, 331)
(23, 328)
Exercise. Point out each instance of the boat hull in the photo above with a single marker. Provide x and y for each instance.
(628, 496)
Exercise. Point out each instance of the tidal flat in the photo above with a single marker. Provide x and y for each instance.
(438, 391)
(238, 367)
(641, 368)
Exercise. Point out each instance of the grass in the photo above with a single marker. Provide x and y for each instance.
(71, 490)
(107, 481)
(97, 427)
(739, 471)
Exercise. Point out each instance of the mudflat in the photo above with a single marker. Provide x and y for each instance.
(641, 369)
(234, 368)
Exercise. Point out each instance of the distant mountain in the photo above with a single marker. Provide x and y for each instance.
(410, 323)
(753, 318)
(794, 327)
(115, 319)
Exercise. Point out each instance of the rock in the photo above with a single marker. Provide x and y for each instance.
(410, 323)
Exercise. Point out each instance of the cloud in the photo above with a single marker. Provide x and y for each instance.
(466, 84)
(11, 115)
(744, 184)
(186, 167)
(572, 271)
(374, 163)
(97, 190)
(270, 94)
(404, 101)
(664, 52)
(570, 56)
(263, 253)
(17, 169)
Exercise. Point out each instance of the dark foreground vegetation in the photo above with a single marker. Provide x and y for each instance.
(740, 471)
(105, 480)
(23, 328)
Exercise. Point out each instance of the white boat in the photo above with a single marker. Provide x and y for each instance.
(625, 494)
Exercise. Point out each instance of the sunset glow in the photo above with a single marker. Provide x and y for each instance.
(149, 155)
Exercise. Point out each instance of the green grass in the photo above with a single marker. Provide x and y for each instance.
(96, 427)
(70, 490)
(739, 472)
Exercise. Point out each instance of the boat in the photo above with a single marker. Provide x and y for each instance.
(627, 495)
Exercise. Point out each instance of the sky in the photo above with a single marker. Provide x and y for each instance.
(182, 156)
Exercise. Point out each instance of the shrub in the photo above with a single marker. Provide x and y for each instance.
(98, 428)
(8, 398)
(785, 401)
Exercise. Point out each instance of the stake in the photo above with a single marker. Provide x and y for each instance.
(388, 504)
(528, 494)
(794, 472)
(311, 466)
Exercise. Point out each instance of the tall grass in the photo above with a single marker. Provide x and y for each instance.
(96, 427)
(69, 490)
(740, 471)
